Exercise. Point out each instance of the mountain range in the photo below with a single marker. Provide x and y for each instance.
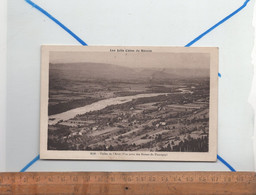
(84, 71)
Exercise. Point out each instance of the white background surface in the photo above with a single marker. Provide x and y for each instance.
(252, 97)
(121, 22)
(3, 30)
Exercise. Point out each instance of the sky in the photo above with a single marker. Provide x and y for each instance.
(135, 60)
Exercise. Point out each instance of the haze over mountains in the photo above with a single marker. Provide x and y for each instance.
(84, 71)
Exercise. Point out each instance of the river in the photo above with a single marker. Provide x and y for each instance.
(54, 119)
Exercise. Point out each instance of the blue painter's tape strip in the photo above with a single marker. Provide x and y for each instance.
(225, 163)
(30, 163)
(57, 22)
(216, 25)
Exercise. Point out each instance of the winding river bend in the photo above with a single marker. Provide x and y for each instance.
(54, 119)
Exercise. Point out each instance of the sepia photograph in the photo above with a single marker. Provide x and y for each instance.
(129, 103)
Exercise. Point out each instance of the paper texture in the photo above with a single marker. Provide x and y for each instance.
(252, 97)
(129, 103)
(170, 23)
(3, 50)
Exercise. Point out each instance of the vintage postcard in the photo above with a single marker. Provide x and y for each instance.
(129, 103)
